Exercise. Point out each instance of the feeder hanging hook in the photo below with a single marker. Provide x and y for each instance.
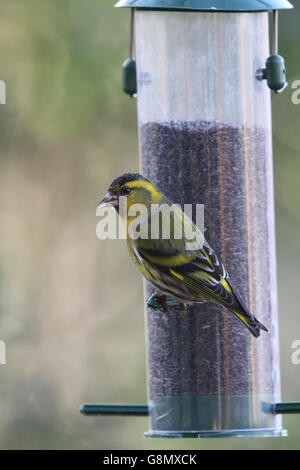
(129, 84)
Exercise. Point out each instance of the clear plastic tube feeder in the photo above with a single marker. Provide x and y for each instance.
(203, 76)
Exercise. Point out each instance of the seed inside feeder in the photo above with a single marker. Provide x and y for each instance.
(206, 352)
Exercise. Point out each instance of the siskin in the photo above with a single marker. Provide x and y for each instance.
(189, 276)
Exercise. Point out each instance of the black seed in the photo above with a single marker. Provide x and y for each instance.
(207, 351)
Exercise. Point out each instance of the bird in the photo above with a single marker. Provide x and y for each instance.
(187, 275)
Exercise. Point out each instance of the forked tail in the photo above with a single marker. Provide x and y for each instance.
(250, 322)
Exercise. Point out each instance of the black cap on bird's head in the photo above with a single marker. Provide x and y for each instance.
(121, 181)
(119, 187)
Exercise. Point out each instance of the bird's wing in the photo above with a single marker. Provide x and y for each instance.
(198, 269)
(201, 271)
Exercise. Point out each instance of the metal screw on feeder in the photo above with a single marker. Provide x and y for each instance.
(205, 137)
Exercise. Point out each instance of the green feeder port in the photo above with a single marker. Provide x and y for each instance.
(274, 73)
(129, 77)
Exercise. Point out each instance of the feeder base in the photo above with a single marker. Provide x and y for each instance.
(246, 433)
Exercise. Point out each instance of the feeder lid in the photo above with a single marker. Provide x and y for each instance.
(208, 5)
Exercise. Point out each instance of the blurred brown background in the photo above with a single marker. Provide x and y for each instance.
(71, 306)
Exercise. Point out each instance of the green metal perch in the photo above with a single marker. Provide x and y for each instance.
(143, 410)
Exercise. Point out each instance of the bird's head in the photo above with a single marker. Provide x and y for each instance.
(135, 187)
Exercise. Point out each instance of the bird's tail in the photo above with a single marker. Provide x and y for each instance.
(251, 322)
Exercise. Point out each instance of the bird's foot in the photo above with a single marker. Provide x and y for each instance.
(158, 302)
(163, 302)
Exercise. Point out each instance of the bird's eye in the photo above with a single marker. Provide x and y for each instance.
(125, 190)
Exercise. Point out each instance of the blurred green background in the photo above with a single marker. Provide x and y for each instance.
(71, 306)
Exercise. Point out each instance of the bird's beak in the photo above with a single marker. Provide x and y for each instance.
(109, 201)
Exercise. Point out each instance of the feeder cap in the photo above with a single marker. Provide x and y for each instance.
(208, 5)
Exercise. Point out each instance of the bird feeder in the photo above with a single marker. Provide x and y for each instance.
(203, 75)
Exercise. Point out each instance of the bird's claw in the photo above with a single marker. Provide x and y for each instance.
(157, 302)
(163, 302)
